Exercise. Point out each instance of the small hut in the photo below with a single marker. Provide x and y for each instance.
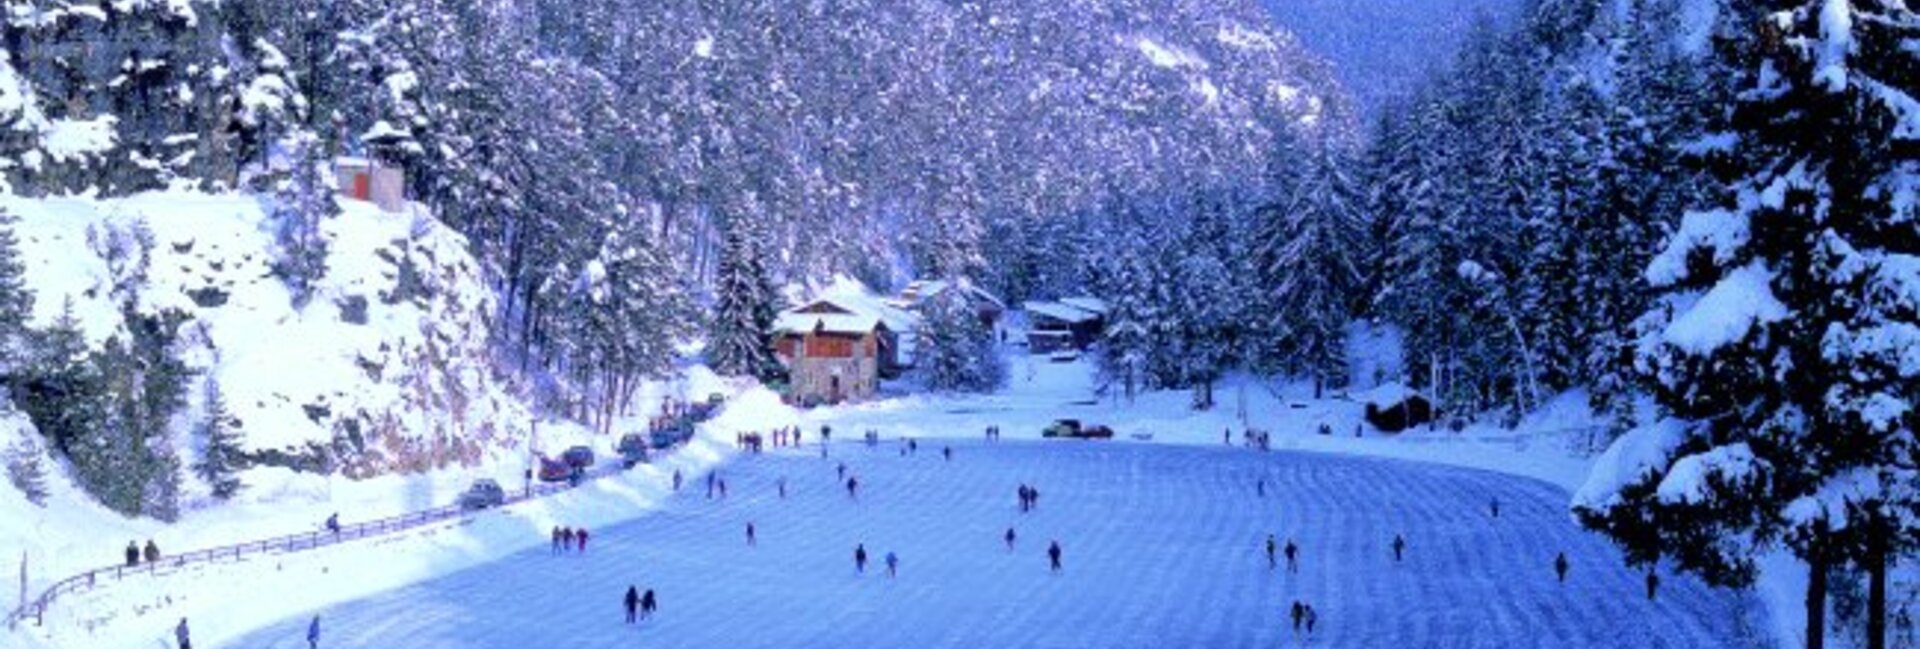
(365, 180)
(1394, 407)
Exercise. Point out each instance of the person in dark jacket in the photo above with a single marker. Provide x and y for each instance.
(1053, 555)
(676, 479)
(181, 635)
(313, 633)
(1653, 585)
(1273, 547)
(1299, 615)
(1010, 537)
(751, 541)
(333, 523)
(153, 551)
(556, 540)
(860, 558)
(1494, 506)
(133, 553)
(1293, 556)
(893, 564)
(633, 604)
(853, 487)
(1399, 547)
(581, 537)
(1560, 566)
(1313, 618)
(648, 604)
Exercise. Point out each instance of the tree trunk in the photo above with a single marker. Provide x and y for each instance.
(1877, 594)
(1816, 601)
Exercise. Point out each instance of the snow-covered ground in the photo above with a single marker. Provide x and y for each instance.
(1163, 547)
(1162, 538)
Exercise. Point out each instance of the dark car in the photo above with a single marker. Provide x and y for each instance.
(632, 449)
(483, 494)
(1071, 428)
(579, 457)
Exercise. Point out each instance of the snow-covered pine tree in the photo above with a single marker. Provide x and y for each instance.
(1208, 323)
(16, 300)
(956, 351)
(1127, 344)
(741, 338)
(26, 466)
(61, 389)
(303, 200)
(1784, 314)
(1310, 243)
(221, 458)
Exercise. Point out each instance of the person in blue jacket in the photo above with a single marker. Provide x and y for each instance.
(313, 633)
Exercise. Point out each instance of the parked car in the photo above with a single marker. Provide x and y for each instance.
(483, 494)
(1072, 428)
(552, 470)
(1064, 355)
(579, 457)
(632, 449)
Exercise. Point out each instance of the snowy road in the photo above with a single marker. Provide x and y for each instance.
(1163, 548)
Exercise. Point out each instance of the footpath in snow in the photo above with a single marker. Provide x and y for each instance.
(1163, 547)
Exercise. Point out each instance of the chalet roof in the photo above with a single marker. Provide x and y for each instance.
(1058, 311)
(920, 290)
(837, 323)
(1388, 395)
(1092, 305)
(851, 311)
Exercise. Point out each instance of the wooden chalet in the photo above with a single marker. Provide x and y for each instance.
(835, 350)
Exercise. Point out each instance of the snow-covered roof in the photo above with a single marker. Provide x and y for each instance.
(1387, 395)
(1093, 305)
(1058, 311)
(858, 311)
(919, 290)
(838, 323)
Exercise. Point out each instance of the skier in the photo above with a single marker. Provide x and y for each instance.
(1009, 537)
(648, 605)
(1399, 547)
(633, 604)
(1293, 555)
(333, 523)
(853, 487)
(1560, 566)
(313, 633)
(676, 479)
(133, 553)
(751, 541)
(180, 634)
(1299, 615)
(581, 537)
(1653, 585)
(1053, 555)
(860, 558)
(1272, 546)
(893, 564)
(153, 552)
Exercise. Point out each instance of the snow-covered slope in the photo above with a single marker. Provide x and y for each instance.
(385, 369)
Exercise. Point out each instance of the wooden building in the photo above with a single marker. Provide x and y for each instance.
(835, 350)
(366, 180)
(984, 304)
(1054, 326)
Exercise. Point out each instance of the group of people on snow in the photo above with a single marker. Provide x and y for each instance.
(567, 539)
(640, 606)
(134, 553)
(1029, 497)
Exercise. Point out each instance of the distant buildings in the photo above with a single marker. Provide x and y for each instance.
(366, 180)
(1070, 323)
